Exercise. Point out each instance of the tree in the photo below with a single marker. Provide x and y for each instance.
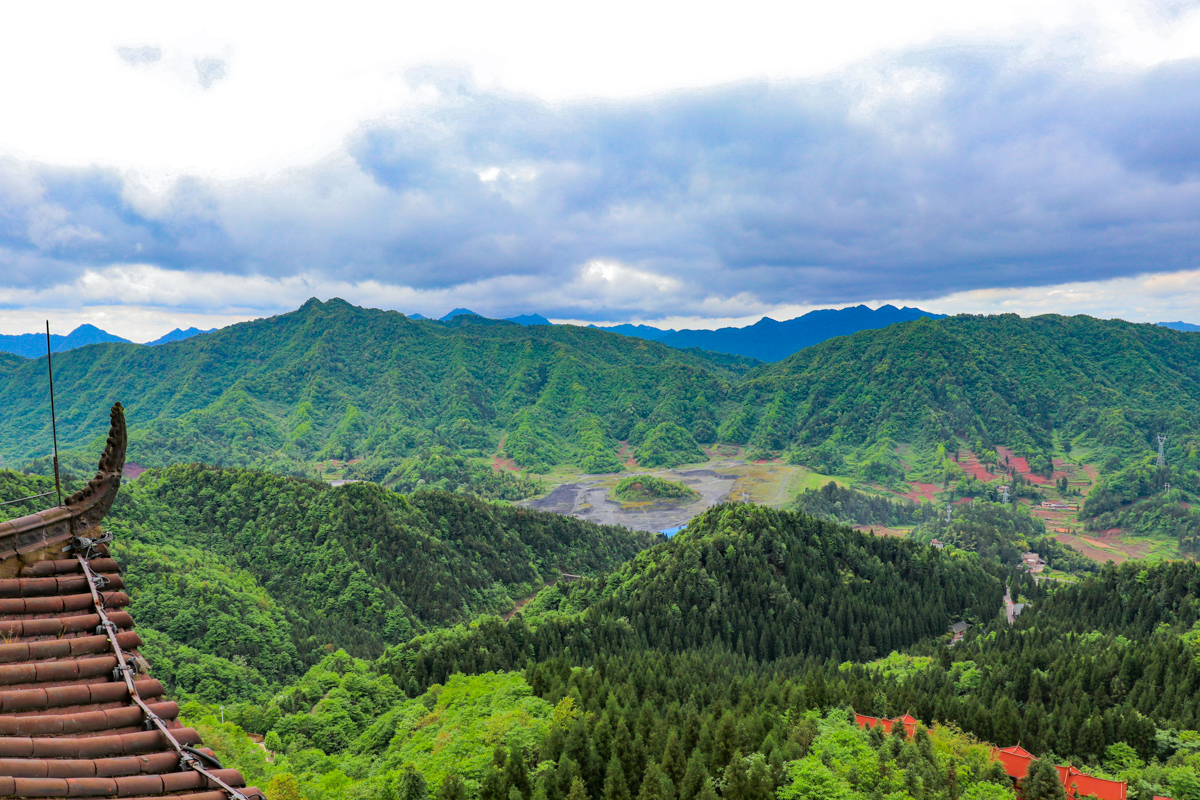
(693, 777)
(674, 762)
(615, 786)
(578, 790)
(516, 776)
(453, 788)
(284, 787)
(1042, 782)
(412, 784)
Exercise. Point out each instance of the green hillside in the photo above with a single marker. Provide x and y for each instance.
(231, 567)
(473, 406)
(999, 379)
(722, 664)
(332, 381)
(335, 382)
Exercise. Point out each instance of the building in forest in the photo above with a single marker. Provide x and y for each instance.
(80, 714)
(909, 722)
(1017, 760)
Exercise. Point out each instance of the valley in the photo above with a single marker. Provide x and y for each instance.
(378, 558)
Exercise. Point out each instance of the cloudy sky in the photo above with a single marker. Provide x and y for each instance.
(687, 164)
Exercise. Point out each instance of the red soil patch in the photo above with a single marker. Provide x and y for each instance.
(921, 491)
(132, 470)
(969, 463)
(1021, 465)
(625, 456)
(879, 530)
(504, 465)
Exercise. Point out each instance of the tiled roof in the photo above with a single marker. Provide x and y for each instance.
(80, 714)
(909, 723)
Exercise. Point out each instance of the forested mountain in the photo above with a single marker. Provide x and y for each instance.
(1113, 659)
(269, 571)
(690, 671)
(335, 382)
(1002, 379)
(331, 381)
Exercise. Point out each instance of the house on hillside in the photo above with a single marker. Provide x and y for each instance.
(1033, 562)
(957, 631)
(938, 543)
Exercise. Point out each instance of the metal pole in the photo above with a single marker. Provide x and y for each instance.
(53, 417)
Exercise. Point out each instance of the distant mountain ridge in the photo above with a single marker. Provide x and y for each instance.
(178, 335)
(765, 340)
(1180, 326)
(772, 340)
(33, 345)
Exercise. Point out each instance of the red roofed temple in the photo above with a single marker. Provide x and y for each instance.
(1016, 761)
(909, 722)
(80, 715)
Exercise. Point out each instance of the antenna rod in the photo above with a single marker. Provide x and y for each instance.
(53, 417)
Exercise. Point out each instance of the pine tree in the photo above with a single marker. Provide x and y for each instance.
(693, 777)
(578, 790)
(615, 785)
(516, 776)
(1042, 782)
(674, 762)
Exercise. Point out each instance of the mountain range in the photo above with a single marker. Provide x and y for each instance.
(772, 340)
(33, 345)
(765, 340)
(333, 382)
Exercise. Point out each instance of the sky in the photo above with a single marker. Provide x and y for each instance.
(687, 165)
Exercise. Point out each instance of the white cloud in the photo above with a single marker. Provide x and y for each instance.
(141, 302)
(305, 79)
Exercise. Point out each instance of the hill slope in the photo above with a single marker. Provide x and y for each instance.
(1003, 379)
(331, 381)
(272, 569)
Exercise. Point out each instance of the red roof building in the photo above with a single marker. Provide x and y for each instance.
(909, 722)
(1079, 784)
(1016, 761)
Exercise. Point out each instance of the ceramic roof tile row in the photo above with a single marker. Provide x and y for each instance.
(68, 726)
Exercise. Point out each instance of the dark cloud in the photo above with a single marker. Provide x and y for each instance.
(140, 56)
(913, 178)
(209, 71)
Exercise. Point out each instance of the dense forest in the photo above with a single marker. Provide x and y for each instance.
(334, 383)
(688, 671)
(245, 577)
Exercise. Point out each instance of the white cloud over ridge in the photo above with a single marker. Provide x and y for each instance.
(141, 302)
(777, 159)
